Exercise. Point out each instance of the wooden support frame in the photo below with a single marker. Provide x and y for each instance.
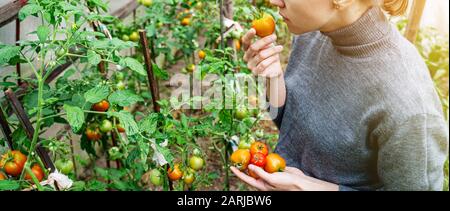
(415, 17)
(28, 127)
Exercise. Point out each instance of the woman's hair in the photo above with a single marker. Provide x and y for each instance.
(395, 7)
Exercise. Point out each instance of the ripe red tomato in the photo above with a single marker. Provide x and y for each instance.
(37, 171)
(101, 106)
(241, 158)
(264, 26)
(259, 147)
(13, 162)
(175, 174)
(258, 159)
(93, 133)
(274, 163)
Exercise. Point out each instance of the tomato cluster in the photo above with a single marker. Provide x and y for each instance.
(186, 173)
(256, 153)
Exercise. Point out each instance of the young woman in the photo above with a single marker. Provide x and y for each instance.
(357, 109)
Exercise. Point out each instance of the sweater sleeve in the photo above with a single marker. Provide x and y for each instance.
(413, 156)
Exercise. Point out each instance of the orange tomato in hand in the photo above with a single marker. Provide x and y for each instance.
(274, 163)
(259, 147)
(264, 26)
(241, 158)
(175, 174)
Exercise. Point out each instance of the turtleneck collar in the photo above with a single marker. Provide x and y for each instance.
(363, 37)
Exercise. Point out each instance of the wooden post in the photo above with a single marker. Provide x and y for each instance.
(415, 16)
(153, 83)
(6, 130)
(17, 44)
(28, 127)
(150, 75)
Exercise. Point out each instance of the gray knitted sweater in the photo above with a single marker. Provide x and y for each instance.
(362, 111)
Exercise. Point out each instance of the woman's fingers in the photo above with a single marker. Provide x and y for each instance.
(293, 170)
(247, 38)
(259, 45)
(250, 180)
(262, 174)
(259, 59)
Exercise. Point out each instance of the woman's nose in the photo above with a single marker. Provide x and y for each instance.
(278, 3)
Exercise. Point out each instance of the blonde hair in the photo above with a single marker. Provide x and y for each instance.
(395, 7)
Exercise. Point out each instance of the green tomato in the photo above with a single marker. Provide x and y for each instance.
(64, 166)
(244, 144)
(147, 3)
(125, 37)
(106, 126)
(259, 133)
(241, 114)
(196, 162)
(120, 85)
(114, 153)
(119, 76)
(156, 177)
(188, 176)
(61, 52)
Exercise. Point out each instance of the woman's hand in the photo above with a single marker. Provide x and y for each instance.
(292, 179)
(262, 56)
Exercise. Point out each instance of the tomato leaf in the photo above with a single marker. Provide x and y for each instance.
(9, 185)
(29, 9)
(42, 32)
(124, 98)
(127, 121)
(166, 153)
(96, 94)
(149, 123)
(93, 58)
(134, 65)
(7, 52)
(160, 73)
(75, 117)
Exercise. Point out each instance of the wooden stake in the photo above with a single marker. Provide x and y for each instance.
(150, 75)
(28, 127)
(415, 16)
